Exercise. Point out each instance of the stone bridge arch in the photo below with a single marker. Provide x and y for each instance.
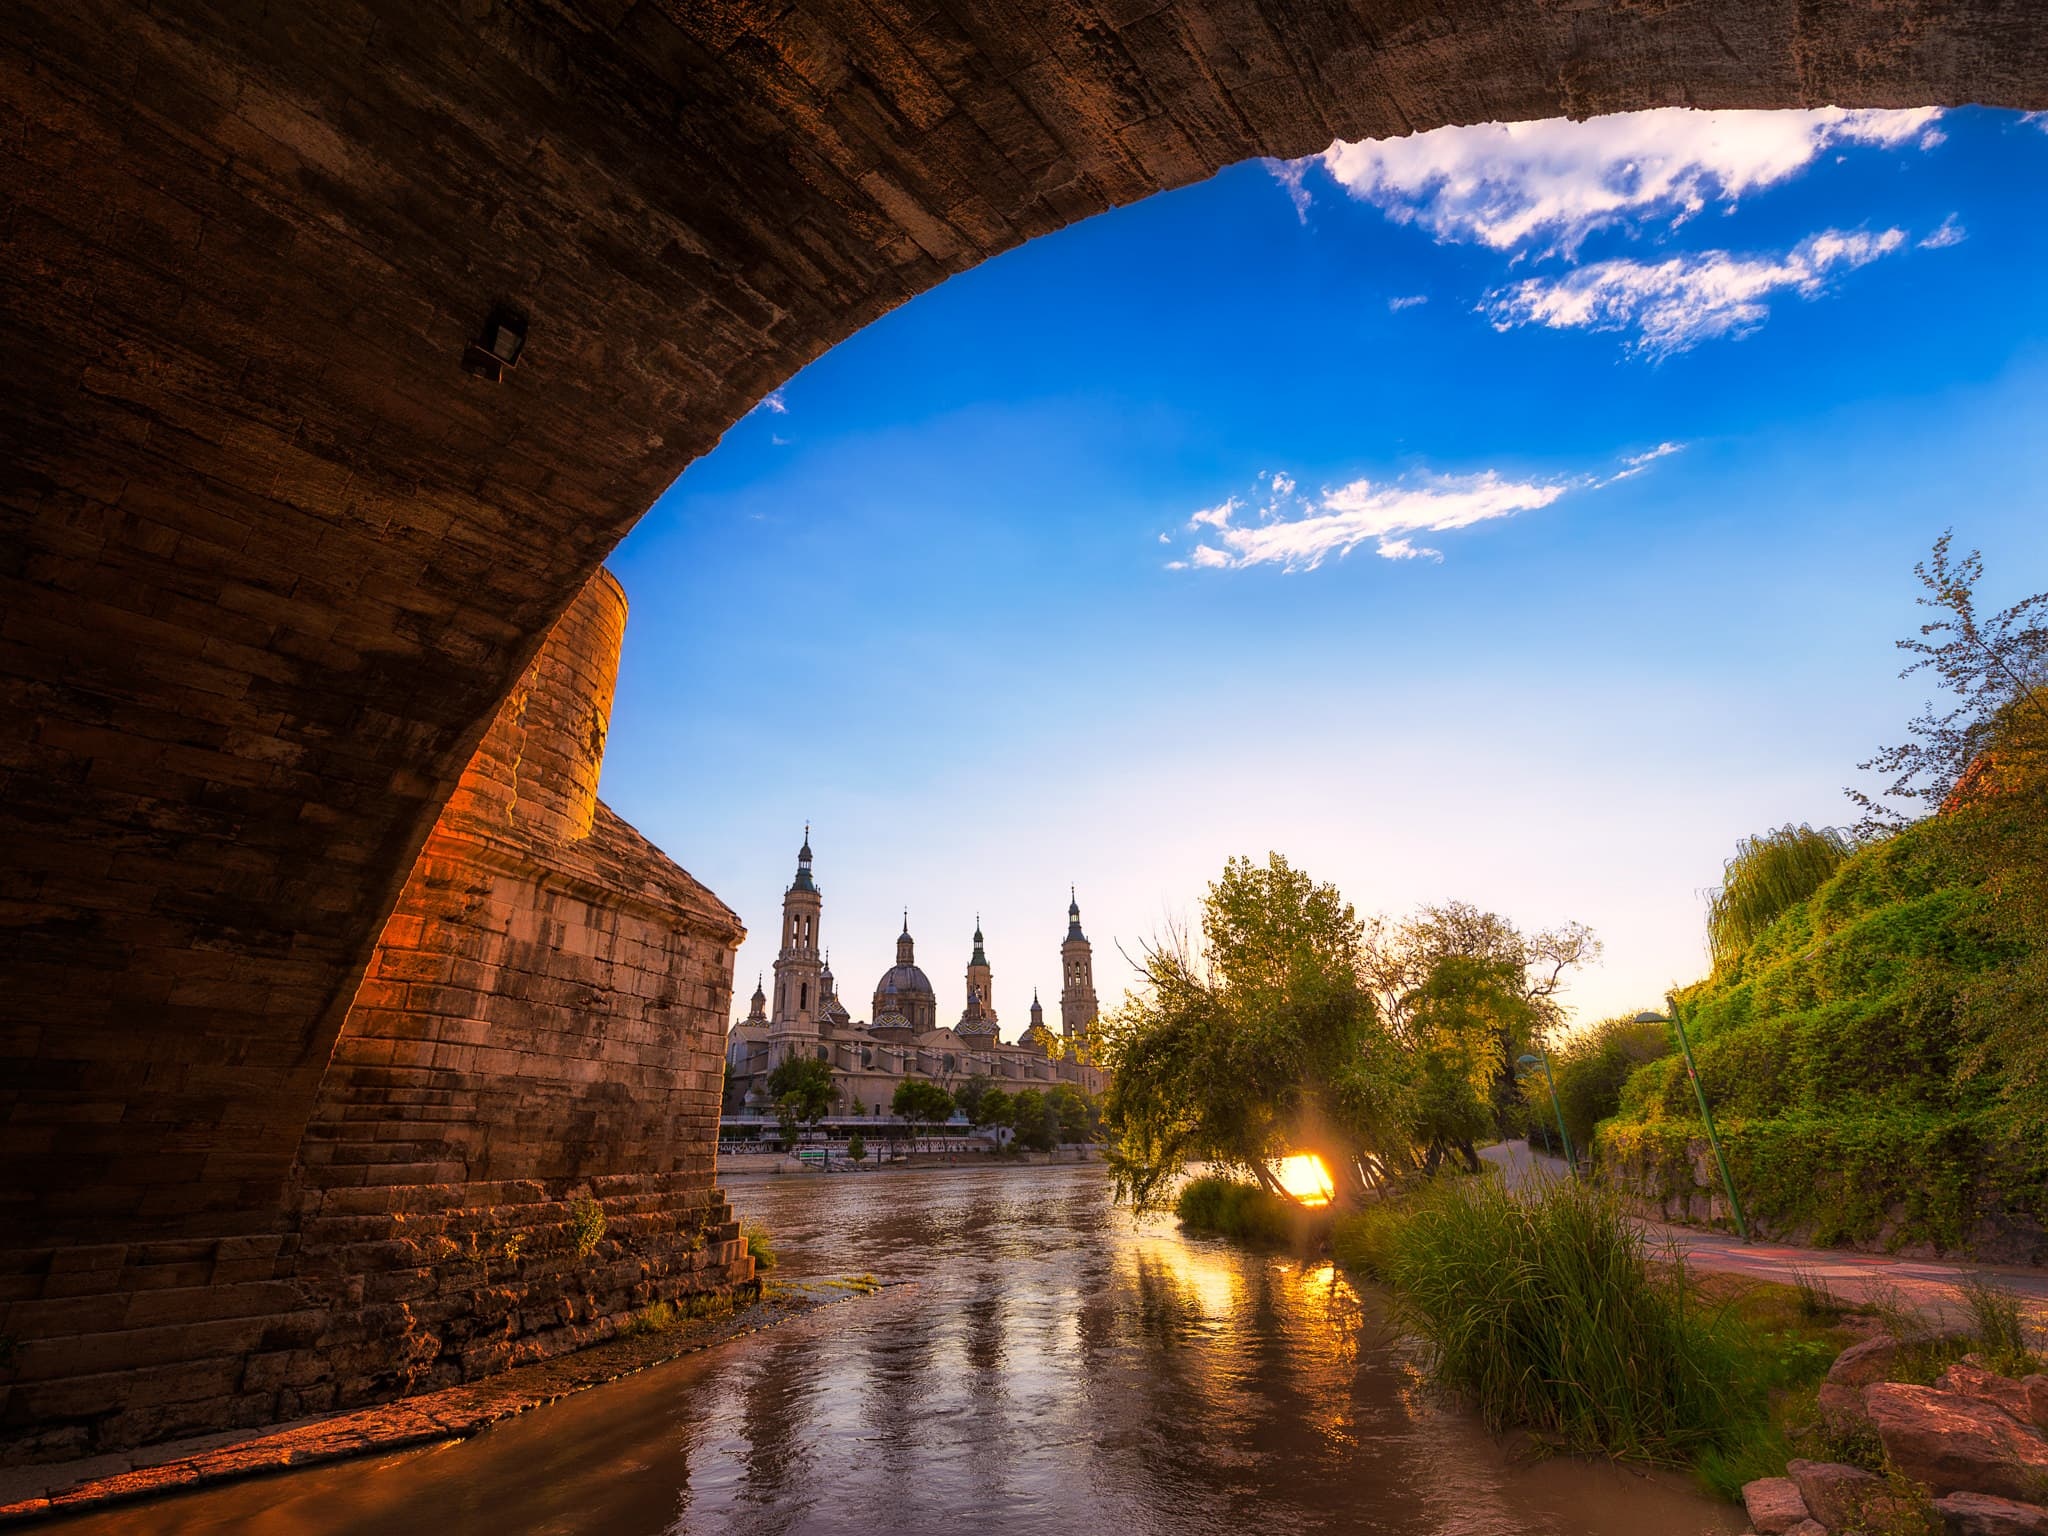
(273, 555)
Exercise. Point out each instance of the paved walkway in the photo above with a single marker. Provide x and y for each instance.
(1927, 1284)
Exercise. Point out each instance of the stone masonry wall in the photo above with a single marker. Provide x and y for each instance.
(511, 1150)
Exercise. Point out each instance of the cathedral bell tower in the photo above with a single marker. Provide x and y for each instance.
(799, 968)
(980, 979)
(1077, 984)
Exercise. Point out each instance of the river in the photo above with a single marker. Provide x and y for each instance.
(1058, 1365)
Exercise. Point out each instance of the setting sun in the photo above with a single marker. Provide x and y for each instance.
(1304, 1176)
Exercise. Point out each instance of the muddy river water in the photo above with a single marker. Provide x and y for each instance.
(1058, 1365)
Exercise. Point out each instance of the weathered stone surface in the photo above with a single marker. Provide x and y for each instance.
(1835, 1493)
(1957, 1444)
(1774, 1505)
(1980, 1514)
(2037, 1399)
(539, 1037)
(1807, 1528)
(1968, 1379)
(1861, 1364)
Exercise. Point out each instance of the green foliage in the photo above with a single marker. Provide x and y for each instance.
(1237, 1210)
(586, 1225)
(1837, 1052)
(1768, 874)
(802, 1088)
(1467, 1018)
(1547, 1311)
(758, 1244)
(1592, 1066)
(967, 1097)
(991, 1108)
(2000, 1327)
(1268, 1045)
(856, 1146)
(1035, 1130)
(919, 1101)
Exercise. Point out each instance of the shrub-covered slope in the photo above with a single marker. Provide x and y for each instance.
(1831, 1051)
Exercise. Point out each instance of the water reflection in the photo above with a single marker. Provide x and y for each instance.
(1058, 1364)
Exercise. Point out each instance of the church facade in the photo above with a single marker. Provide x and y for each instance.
(903, 1036)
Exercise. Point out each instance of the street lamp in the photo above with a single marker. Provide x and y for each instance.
(1526, 1061)
(1706, 1114)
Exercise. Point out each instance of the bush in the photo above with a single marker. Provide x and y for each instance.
(586, 1224)
(856, 1146)
(1591, 1068)
(1546, 1311)
(756, 1238)
(1235, 1209)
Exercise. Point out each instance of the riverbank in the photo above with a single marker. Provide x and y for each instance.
(738, 1169)
(35, 1493)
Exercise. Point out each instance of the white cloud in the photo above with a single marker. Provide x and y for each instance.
(1674, 305)
(1292, 175)
(1385, 514)
(1510, 185)
(1283, 484)
(773, 403)
(1950, 233)
(1407, 301)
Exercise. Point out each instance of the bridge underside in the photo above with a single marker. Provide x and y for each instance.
(274, 556)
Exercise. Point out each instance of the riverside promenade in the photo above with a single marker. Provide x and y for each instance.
(1929, 1285)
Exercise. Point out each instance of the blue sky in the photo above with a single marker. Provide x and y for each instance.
(1518, 516)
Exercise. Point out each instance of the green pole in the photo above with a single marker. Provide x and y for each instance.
(1571, 1158)
(1714, 1141)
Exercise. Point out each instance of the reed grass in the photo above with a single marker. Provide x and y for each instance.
(759, 1245)
(1999, 1326)
(1548, 1310)
(1235, 1209)
(1769, 874)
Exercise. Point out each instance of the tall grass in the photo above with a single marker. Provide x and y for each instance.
(1235, 1209)
(2000, 1327)
(759, 1245)
(1546, 1310)
(1770, 873)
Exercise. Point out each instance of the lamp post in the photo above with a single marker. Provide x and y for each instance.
(1706, 1114)
(1526, 1061)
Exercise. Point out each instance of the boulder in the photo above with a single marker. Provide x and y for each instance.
(1980, 1514)
(1861, 1364)
(1972, 1380)
(1808, 1528)
(1957, 1444)
(1834, 1492)
(2037, 1399)
(1774, 1505)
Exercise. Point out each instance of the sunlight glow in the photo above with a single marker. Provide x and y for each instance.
(1304, 1176)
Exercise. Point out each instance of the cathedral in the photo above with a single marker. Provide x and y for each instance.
(903, 1036)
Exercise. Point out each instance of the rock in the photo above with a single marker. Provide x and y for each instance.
(1774, 1505)
(1956, 1444)
(1808, 1528)
(1972, 1380)
(1861, 1364)
(1980, 1514)
(2037, 1399)
(1834, 1491)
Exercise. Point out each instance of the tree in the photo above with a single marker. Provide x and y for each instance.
(1997, 671)
(801, 1087)
(1072, 1113)
(991, 1107)
(1398, 961)
(968, 1095)
(921, 1102)
(856, 1147)
(1029, 1118)
(1465, 1016)
(1268, 1044)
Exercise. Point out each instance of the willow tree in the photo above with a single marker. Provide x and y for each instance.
(1263, 1044)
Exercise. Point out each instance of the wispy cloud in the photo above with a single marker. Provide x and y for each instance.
(1551, 184)
(773, 403)
(1407, 301)
(1950, 233)
(1293, 176)
(1676, 304)
(1299, 532)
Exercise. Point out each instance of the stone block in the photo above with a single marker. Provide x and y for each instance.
(1835, 1493)
(1774, 1505)
(1956, 1444)
(1981, 1514)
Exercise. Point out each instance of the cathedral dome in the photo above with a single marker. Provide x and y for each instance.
(905, 980)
